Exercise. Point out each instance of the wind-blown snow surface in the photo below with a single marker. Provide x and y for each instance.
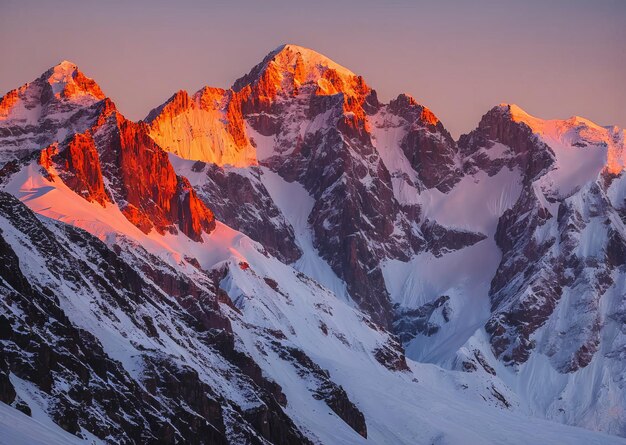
(422, 405)
(19, 429)
(474, 204)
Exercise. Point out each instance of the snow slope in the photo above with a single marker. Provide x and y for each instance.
(296, 204)
(20, 429)
(419, 405)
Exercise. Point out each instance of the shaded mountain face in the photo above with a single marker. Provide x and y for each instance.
(558, 293)
(221, 271)
(563, 240)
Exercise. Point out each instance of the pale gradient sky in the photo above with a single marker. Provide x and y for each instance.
(554, 58)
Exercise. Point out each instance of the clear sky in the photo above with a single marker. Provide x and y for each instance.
(554, 58)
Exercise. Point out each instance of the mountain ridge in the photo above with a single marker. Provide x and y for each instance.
(308, 264)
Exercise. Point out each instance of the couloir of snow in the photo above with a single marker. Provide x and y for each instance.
(582, 151)
(424, 405)
(474, 204)
(429, 404)
(388, 131)
(296, 204)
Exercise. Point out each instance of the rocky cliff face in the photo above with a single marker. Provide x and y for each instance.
(99, 154)
(79, 166)
(207, 126)
(239, 197)
(546, 240)
(426, 144)
(523, 148)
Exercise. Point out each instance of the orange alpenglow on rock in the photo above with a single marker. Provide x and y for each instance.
(150, 184)
(81, 167)
(429, 117)
(99, 154)
(206, 127)
(616, 157)
(211, 126)
(70, 83)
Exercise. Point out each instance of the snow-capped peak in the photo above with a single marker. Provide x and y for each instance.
(65, 66)
(68, 81)
(580, 145)
(542, 126)
(290, 66)
(313, 62)
(62, 74)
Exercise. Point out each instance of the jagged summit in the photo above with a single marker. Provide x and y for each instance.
(311, 59)
(41, 111)
(69, 82)
(574, 141)
(179, 99)
(290, 66)
(60, 86)
(293, 225)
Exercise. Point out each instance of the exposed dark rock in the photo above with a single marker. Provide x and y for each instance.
(391, 356)
(427, 145)
(242, 201)
(528, 152)
(86, 389)
(324, 388)
(409, 323)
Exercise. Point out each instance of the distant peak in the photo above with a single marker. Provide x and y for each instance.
(579, 120)
(290, 47)
(518, 114)
(513, 109)
(61, 72)
(405, 105)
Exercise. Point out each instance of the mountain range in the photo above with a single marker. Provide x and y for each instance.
(293, 261)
